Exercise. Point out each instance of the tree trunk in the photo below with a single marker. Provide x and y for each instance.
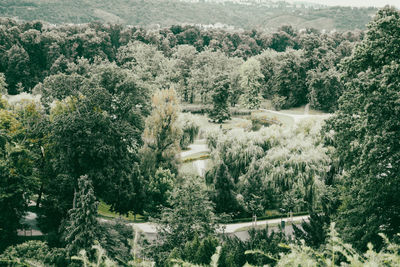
(74, 201)
(39, 199)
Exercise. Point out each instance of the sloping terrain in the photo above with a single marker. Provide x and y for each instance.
(152, 13)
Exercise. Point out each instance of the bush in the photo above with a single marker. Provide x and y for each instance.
(190, 130)
(257, 121)
(115, 238)
(278, 102)
(33, 252)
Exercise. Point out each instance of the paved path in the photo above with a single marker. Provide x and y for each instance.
(150, 228)
(298, 117)
(231, 228)
(30, 220)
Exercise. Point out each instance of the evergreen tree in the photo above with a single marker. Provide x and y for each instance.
(82, 227)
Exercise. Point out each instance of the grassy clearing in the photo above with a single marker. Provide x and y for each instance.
(104, 211)
(206, 124)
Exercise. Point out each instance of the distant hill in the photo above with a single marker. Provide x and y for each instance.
(153, 13)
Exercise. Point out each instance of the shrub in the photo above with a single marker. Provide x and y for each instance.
(190, 130)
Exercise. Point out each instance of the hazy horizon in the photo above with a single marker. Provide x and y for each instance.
(356, 3)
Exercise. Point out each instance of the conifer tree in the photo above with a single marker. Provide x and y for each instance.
(82, 226)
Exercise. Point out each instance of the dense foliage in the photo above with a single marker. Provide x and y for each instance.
(256, 180)
(366, 135)
(103, 122)
(42, 58)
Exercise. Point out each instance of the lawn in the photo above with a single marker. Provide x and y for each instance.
(104, 211)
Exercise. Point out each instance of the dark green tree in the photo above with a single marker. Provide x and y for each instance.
(366, 135)
(82, 227)
(223, 194)
(191, 214)
(325, 88)
(97, 131)
(17, 68)
(220, 110)
(17, 182)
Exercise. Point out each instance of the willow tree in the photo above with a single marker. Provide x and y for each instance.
(162, 133)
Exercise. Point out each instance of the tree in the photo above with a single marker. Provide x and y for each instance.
(145, 61)
(82, 228)
(184, 56)
(17, 181)
(190, 215)
(366, 135)
(220, 111)
(289, 78)
(207, 67)
(3, 85)
(251, 75)
(224, 195)
(253, 190)
(17, 68)
(325, 88)
(190, 129)
(162, 134)
(97, 131)
(159, 188)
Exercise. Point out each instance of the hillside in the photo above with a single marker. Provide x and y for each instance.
(151, 13)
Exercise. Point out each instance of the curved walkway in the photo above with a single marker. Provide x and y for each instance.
(297, 117)
(150, 228)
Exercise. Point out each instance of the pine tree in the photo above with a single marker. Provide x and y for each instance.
(82, 226)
